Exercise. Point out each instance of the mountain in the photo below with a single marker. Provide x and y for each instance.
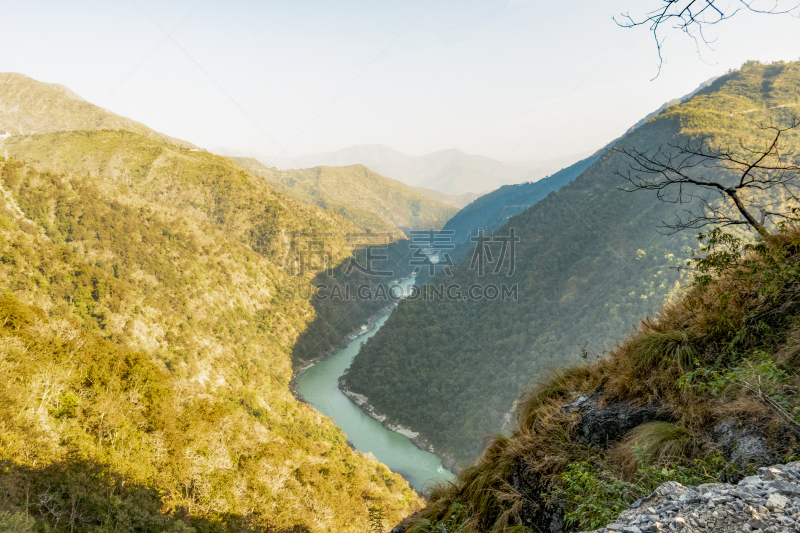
(703, 394)
(589, 264)
(492, 210)
(448, 171)
(457, 200)
(368, 199)
(149, 335)
(29, 106)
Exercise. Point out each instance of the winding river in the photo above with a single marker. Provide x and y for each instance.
(318, 385)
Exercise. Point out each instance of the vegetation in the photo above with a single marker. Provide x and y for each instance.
(589, 265)
(31, 106)
(366, 198)
(148, 345)
(725, 352)
(491, 211)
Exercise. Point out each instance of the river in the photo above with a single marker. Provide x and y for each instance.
(318, 385)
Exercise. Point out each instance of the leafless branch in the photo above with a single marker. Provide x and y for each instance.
(717, 185)
(692, 17)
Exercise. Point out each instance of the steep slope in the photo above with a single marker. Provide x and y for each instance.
(30, 106)
(447, 171)
(368, 199)
(492, 210)
(175, 260)
(704, 393)
(590, 263)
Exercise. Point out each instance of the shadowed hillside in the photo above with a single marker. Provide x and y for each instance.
(590, 264)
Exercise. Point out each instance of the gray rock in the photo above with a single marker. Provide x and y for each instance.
(719, 506)
(602, 425)
(743, 446)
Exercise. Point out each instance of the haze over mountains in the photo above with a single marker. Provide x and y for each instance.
(590, 263)
(450, 172)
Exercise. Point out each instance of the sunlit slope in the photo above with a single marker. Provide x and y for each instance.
(368, 199)
(591, 263)
(174, 257)
(30, 106)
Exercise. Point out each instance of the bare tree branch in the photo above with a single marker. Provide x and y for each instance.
(693, 16)
(718, 185)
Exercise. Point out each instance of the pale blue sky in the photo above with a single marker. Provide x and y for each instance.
(508, 79)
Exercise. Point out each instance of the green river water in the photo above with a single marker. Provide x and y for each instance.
(318, 385)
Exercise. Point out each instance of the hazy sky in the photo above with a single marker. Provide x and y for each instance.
(508, 79)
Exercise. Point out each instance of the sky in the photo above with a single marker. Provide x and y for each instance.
(513, 80)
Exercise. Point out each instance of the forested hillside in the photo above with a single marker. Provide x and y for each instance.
(492, 210)
(591, 262)
(704, 393)
(30, 106)
(368, 199)
(148, 342)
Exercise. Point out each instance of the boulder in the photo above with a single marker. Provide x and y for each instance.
(601, 425)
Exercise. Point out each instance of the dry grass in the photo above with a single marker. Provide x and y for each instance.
(658, 442)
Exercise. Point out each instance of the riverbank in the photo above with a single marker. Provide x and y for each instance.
(327, 354)
(418, 440)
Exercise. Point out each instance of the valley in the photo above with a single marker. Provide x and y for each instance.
(598, 320)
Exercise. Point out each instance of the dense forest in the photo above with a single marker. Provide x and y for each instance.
(705, 392)
(591, 262)
(148, 343)
(492, 210)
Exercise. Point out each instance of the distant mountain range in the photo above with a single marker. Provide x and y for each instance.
(451, 172)
(369, 200)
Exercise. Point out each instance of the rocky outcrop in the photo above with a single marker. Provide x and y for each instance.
(601, 425)
(768, 503)
(743, 446)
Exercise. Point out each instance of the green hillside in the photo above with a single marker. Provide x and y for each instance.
(457, 200)
(706, 392)
(590, 264)
(29, 106)
(368, 199)
(148, 343)
(492, 210)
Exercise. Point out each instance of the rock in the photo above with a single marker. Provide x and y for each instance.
(535, 514)
(602, 425)
(743, 446)
(776, 501)
(768, 503)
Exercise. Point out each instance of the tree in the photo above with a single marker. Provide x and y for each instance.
(692, 17)
(720, 186)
